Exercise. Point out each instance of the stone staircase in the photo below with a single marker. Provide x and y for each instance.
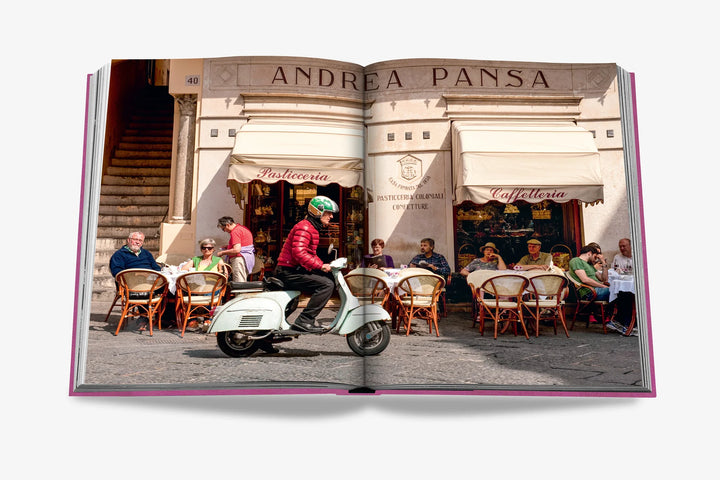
(135, 189)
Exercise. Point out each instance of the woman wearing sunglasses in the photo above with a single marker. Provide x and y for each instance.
(206, 262)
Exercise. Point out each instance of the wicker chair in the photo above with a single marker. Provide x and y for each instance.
(198, 294)
(546, 295)
(506, 302)
(369, 285)
(416, 296)
(143, 293)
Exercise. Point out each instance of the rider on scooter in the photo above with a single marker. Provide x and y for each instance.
(301, 269)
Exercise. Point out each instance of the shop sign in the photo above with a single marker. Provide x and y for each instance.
(470, 76)
(290, 175)
(531, 195)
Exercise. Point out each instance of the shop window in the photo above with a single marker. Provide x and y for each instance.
(276, 208)
(510, 226)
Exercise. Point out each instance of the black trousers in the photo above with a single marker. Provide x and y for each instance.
(318, 284)
(625, 304)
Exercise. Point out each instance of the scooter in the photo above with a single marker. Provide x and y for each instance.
(257, 318)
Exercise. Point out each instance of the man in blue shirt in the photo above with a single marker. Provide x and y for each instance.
(430, 260)
(132, 255)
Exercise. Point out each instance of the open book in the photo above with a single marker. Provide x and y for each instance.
(461, 155)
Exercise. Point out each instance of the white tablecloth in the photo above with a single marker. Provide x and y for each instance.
(620, 283)
(172, 272)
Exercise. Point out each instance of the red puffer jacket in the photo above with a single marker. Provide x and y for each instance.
(300, 248)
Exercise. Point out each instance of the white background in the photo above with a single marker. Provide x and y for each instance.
(50, 47)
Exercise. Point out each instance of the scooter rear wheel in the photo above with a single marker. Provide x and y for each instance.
(236, 344)
(370, 339)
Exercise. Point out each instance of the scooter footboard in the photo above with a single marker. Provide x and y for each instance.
(362, 315)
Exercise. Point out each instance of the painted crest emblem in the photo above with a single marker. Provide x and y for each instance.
(410, 168)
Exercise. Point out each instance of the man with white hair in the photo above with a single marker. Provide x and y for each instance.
(132, 255)
(623, 261)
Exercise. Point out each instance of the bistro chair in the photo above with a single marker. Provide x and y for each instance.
(546, 296)
(369, 285)
(475, 280)
(587, 306)
(416, 296)
(143, 293)
(506, 302)
(198, 294)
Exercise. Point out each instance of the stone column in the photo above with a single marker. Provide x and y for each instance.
(181, 206)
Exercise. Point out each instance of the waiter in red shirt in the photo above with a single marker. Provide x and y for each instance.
(240, 250)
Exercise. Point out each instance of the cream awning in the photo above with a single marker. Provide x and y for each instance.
(530, 161)
(297, 153)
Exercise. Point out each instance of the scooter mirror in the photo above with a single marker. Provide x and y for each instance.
(331, 249)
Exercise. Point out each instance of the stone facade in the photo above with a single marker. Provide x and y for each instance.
(407, 108)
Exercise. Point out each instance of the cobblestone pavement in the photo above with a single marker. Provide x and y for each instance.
(460, 357)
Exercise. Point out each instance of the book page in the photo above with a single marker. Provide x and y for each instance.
(442, 160)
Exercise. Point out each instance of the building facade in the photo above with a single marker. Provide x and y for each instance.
(462, 151)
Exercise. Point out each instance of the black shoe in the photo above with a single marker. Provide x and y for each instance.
(307, 326)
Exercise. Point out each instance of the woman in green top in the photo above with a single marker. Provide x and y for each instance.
(206, 262)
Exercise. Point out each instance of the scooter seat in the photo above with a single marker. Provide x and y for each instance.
(246, 285)
(268, 283)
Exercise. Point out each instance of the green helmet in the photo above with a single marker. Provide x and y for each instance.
(319, 205)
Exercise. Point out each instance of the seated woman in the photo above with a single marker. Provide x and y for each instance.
(490, 260)
(206, 262)
(377, 259)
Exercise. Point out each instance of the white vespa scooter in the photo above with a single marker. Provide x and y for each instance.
(257, 318)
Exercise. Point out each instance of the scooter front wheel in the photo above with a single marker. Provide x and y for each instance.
(370, 339)
(236, 344)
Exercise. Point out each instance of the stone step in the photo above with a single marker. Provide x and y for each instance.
(145, 162)
(136, 222)
(154, 146)
(126, 138)
(136, 210)
(139, 200)
(144, 172)
(132, 181)
(142, 154)
(104, 296)
(140, 190)
(120, 234)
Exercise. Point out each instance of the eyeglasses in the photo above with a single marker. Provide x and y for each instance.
(207, 248)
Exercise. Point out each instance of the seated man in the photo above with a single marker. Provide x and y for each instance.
(132, 255)
(623, 262)
(535, 259)
(430, 260)
(582, 270)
